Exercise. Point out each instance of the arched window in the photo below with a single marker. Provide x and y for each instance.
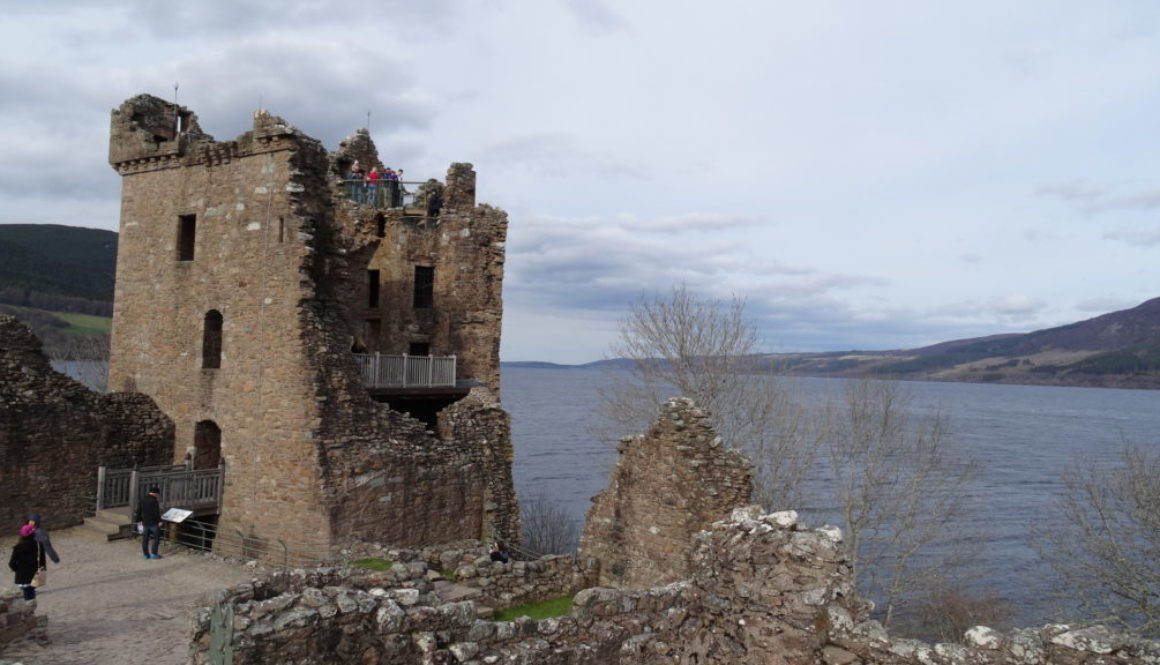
(211, 340)
(207, 445)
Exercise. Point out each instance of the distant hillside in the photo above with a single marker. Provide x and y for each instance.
(59, 268)
(1120, 349)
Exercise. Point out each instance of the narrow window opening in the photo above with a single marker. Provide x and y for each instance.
(419, 349)
(186, 236)
(373, 289)
(211, 341)
(380, 225)
(424, 287)
(281, 229)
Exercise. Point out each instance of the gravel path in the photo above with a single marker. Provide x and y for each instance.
(107, 605)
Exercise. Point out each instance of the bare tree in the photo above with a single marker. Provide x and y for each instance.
(83, 357)
(899, 484)
(896, 481)
(706, 349)
(546, 527)
(947, 610)
(1105, 540)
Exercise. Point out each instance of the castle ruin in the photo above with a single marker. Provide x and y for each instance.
(248, 277)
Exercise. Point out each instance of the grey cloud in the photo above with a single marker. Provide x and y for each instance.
(1105, 305)
(1150, 238)
(1093, 198)
(1010, 308)
(247, 17)
(693, 221)
(556, 155)
(322, 88)
(596, 13)
(602, 265)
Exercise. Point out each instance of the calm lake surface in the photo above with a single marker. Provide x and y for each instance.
(1024, 436)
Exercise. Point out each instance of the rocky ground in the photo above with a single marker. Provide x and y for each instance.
(106, 604)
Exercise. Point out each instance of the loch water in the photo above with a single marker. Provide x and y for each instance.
(1024, 436)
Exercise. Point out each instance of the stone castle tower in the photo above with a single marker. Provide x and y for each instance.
(250, 271)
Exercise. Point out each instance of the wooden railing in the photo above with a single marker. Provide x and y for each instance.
(383, 371)
(191, 490)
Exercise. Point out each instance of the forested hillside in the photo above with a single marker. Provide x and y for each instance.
(58, 268)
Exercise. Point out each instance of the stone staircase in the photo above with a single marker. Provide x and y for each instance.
(108, 524)
(449, 592)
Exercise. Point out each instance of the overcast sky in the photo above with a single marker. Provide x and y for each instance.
(868, 175)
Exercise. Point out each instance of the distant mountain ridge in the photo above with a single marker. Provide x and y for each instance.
(1120, 349)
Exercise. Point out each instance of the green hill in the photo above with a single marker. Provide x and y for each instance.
(58, 268)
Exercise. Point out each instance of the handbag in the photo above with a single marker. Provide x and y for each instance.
(41, 576)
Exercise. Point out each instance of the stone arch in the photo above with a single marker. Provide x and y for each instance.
(207, 445)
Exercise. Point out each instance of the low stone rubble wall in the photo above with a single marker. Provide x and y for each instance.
(18, 619)
(763, 590)
(499, 585)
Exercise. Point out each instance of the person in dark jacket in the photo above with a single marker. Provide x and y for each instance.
(42, 537)
(148, 517)
(27, 557)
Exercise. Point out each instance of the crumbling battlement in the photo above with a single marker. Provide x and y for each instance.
(668, 484)
(54, 433)
(243, 280)
(763, 590)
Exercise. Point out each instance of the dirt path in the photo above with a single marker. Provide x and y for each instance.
(105, 604)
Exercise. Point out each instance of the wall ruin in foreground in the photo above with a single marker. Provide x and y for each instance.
(763, 590)
(668, 484)
(54, 433)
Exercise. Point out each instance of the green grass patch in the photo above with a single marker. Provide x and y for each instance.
(448, 574)
(373, 564)
(86, 324)
(553, 607)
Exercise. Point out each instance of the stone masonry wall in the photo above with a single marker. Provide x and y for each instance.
(54, 433)
(763, 590)
(466, 247)
(490, 584)
(18, 619)
(667, 485)
(310, 458)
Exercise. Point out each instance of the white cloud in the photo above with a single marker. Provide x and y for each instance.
(869, 175)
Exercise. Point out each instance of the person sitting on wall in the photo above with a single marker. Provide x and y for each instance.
(373, 179)
(354, 183)
(499, 552)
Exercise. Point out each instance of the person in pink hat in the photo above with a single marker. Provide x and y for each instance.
(26, 559)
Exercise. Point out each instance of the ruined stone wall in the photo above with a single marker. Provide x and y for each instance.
(484, 432)
(310, 457)
(763, 590)
(54, 433)
(18, 618)
(465, 245)
(492, 585)
(667, 485)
